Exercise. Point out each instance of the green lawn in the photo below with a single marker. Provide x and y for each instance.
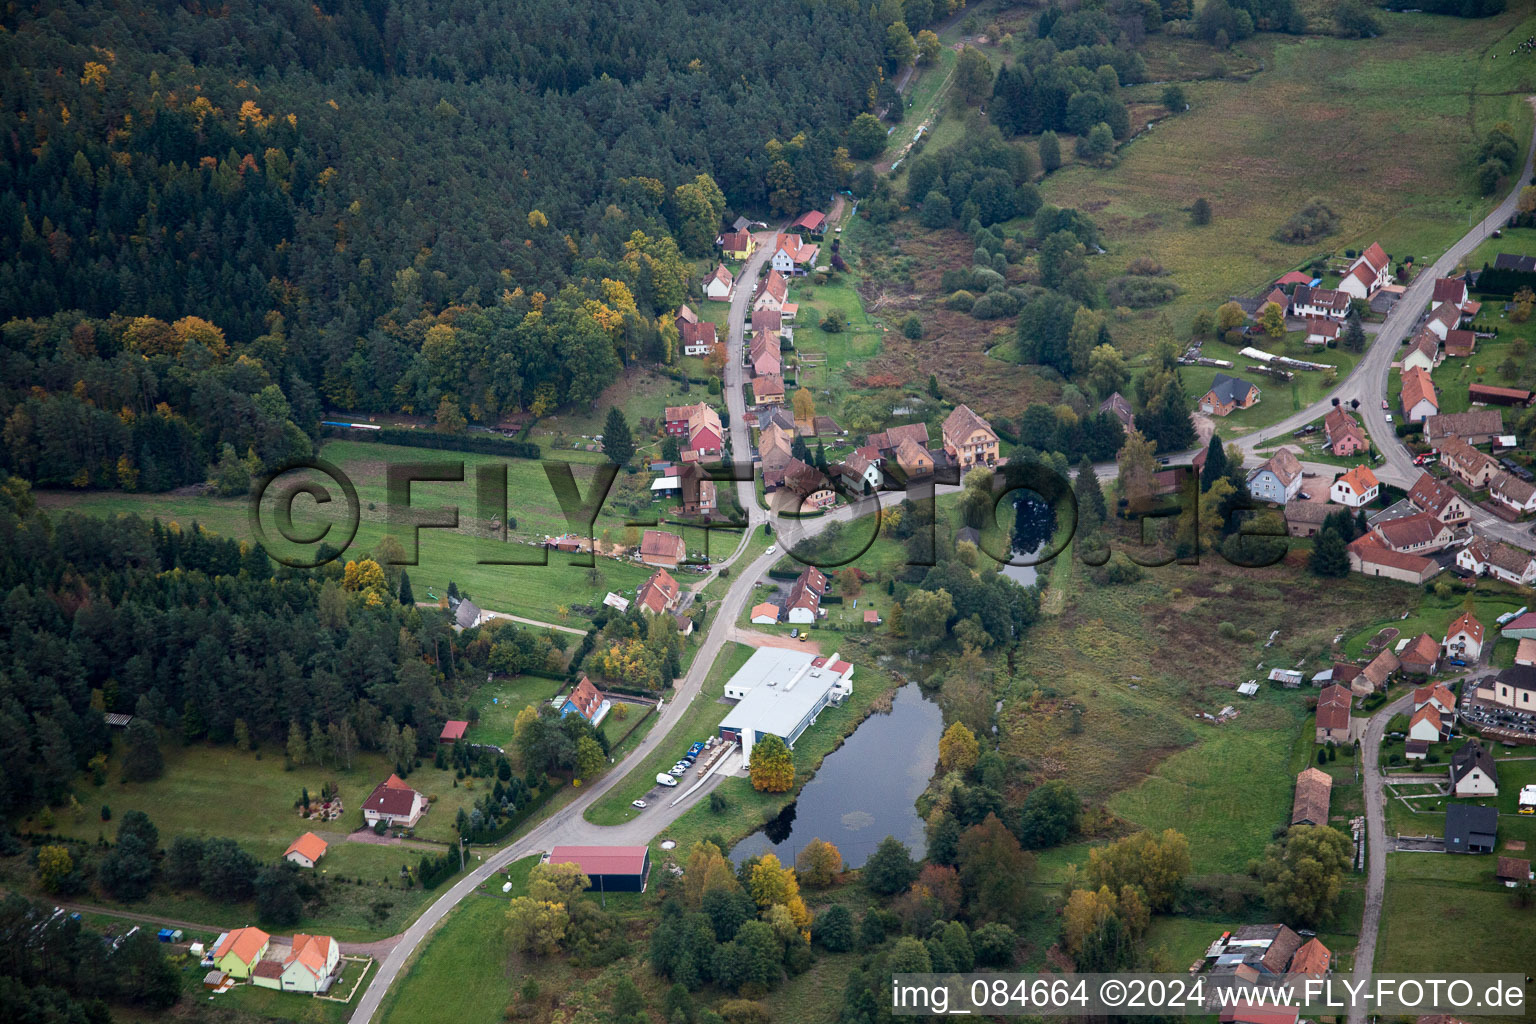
(462, 973)
(500, 700)
(1429, 613)
(1486, 366)
(1279, 399)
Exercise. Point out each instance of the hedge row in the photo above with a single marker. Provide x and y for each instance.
(479, 444)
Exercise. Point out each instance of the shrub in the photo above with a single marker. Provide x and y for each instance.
(993, 305)
(1227, 630)
(1140, 292)
(912, 327)
(1312, 221)
(984, 279)
(1144, 266)
(961, 300)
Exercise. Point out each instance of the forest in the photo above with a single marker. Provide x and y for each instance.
(380, 206)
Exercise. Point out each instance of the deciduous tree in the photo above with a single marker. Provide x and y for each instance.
(773, 765)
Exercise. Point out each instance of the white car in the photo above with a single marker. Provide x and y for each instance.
(665, 780)
(770, 549)
(638, 803)
(1389, 417)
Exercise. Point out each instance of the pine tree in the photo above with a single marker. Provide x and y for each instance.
(407, 596)
(1215, 463)
(1329, 556)
(618, 443)
(1354, 333)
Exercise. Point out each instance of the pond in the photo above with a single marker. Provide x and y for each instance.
(1034, 523)
(863, 791)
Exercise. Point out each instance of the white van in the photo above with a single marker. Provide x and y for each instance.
(665, 780)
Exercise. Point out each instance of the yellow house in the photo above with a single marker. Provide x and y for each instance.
(969, 439)
(308, 967)
(238, 952)
(738, 245)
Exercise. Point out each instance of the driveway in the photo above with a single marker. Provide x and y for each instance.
(1376, 841)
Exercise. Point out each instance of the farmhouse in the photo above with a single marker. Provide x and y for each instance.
(1464, 638)
(1374, 677)
(1263, 948)
(1443, 321)
(969, 439)
(1419, 398)
(791, 255)
(1117, 404)
(1423, 352)
(781, 692)
(1448, 289)
(1513, 493)
(719, 285)
(764, 354)
(1278, 479)
(1355, 488)
(887, 441)
(768, 389)
(774, 448)
(658, 594)
(1436, 695)
(1477, 426)
(466, 614)
(738, 244)
(1370, 270)
(585, 700)
(772, 320)
(237, 952)
(306, 850)
(661, 549)
(1427, 725)
(1321, 331)
(1368, 555)
(1461, 345)
(1333, 721)
(1473, 771)
(804, 601)
(697, 491)
(771, 292)
(1471, 829)
(1314, 788)
(1343, 432)
(1421, 656)
(698, 339)
(1328, 303)
(608, 868)
(1488, 557)
(394, 803)
(1312, 960)
(807, 483)
(1476, 469)
(1227, 395)
(1419, 534)
(860, 473)
(1439, 500)
(913, 459)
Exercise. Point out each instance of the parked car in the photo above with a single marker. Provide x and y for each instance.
(1304, 495)
(665, 780)
(638, 803)
(1388, 417)
(795, 632)
(802, 637)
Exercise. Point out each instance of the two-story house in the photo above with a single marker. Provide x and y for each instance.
(968, 439)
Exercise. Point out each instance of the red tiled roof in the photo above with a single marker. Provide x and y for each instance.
(1360, 479)
(453, 730)
(245, 943)
(1293, 277)
(309, 846)
(1424, 650)
(659, 542)
(1312, 958)
(1465, 621)
(1333, 707)
(1427, 713)
(658, 592)
(602, 860)
(586, 698)
(1371, 551)
(1449, 289)
(1413, 531)
(1376, 256)
(392, 797)
(1418, 387)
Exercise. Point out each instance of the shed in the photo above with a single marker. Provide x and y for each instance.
(1471, 829)
(609, 868)
(453, 731)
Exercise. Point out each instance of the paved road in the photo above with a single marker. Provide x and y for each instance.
(1375, 841)
(735, 372)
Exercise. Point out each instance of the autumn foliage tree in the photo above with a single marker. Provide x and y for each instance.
(958, 749)
(819, 863)
(1156, 863)
(773, 765)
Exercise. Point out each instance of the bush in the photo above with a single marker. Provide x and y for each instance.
(1312, 221)
(1227, 630)
(993, 305)
(961, 300)
(835, 322)
(1144, 266)
(985, 279)
(912, 327)
(1140, 292)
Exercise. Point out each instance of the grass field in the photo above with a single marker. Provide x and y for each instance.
(1429, 613)
(1431, 79)
(1510, 351)
(531, 590)
(500, 700)
(1279, 399)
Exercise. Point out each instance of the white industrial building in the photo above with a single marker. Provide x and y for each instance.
(780, 693)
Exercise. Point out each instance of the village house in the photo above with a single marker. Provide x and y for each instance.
(771, 292)
(308, 966)
(659, 593)
(1312, 960)
(1513, 493)
(772, 320)
(1423, 352)
(738, 245)
(697, 338)
(306, 850)
(1474, 468)
(1437, 695)
(698, 491)
(1121, 409)
(1460, 344)
(1464, 638)
(765, 614)
(1333, 722)
(913, 459)
(887, 441)
(764, 354)
(394, 803)
(1438, 499)
(1476, 426)
(1278, 480)
(1488, 557)
(237, 952)
(775, 447)
(661, 549)
(1376, 675)
(697, 429)
(1421, 656)
(719, 285)
(587, 701)
(1227, 395)
(1344, 434)
(1418, 534)
(809, 484)
(1355, 488)
(1443, 321)
(1321, 331)
(859, 473)
(812, 223)
(1471, 829)
(1427, 725)
(775, 415)
(1369, 271)
(1448, 289)
(1327, 303)
(968, 439)
(792, 255)
(1314, 790)
(1369, 556)
(1473, 771)
(1419, 398)
(1305, 518)
(768, 389)
(803, 603)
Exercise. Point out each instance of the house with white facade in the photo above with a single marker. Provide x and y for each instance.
(1356, 488)
(1370, 271)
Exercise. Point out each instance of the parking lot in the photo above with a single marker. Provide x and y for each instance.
(1497, 722)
